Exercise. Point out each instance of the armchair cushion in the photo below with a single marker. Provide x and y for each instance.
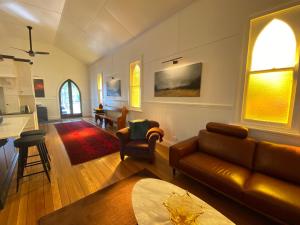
(137, 145)
(138, 129)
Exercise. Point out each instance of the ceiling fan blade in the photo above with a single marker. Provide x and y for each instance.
(7, 56)
(20, 49)
(42, 53)
(22, 60)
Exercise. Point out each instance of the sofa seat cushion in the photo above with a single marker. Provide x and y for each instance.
(274, 197)
(219, 174)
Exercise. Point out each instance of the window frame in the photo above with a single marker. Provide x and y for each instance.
(135, 62)
(100, 90)
(293, 119)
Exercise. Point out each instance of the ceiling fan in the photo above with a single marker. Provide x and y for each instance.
(2, 57)
(30, 52)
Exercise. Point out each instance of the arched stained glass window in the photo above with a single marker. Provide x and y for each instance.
(275, 47)
(270, 81)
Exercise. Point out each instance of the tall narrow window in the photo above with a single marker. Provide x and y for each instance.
(270, 76)
(135, 85)
(99, 88)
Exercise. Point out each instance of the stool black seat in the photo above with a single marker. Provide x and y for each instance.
(23, 144)
(29, 141)
(36, 132)
(33, 132)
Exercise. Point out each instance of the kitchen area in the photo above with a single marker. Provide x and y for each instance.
(17, 114)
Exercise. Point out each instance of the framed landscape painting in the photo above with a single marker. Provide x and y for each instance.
(113, 88)
(179, 82)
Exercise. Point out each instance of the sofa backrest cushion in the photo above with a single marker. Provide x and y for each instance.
(230, 148)
(226, 129)
(281, 161)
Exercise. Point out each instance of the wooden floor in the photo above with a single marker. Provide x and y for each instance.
(38, 197)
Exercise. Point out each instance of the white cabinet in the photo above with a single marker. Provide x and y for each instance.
(11, 100)
(12, 103)
(25, 84)
(9, 82)
(7, 68)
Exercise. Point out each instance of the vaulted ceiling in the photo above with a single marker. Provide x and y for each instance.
(86, 29)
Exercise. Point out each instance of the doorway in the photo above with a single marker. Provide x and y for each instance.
(70, 100)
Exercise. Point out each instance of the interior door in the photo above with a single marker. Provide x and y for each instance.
(70, 100)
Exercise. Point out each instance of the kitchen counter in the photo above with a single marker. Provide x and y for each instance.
(16, 113)
(12, 126)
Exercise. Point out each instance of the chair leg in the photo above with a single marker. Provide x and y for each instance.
(43, 161)
(174, 172)
(122, 156)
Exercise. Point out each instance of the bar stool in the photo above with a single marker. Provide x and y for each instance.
(2, 144)
(36, 132)
(23, 144)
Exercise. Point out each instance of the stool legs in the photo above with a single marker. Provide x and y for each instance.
(22, 162)
(45, 155)
(46, 150)
(44, 161)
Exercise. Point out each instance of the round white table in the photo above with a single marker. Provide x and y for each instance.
(148, 196)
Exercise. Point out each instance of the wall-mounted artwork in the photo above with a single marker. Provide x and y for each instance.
(113, 88)
(39, 89)
(182, 81)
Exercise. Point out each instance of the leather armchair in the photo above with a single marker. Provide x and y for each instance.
(144, 148)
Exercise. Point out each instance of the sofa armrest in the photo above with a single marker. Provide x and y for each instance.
(123, 135)
(182, 149)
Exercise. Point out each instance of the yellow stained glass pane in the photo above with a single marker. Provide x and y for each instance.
(135, 97)
(99, 87)
(99, 83)
(269, 96)
(275, 47)
(136, 76)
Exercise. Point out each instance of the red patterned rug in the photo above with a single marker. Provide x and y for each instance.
(84, 141)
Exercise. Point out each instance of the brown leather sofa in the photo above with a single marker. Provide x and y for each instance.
(261, 175)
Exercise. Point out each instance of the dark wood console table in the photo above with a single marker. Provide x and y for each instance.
(112, 115)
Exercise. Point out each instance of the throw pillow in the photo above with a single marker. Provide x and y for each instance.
(138, 129)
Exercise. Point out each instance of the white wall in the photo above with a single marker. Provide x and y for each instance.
(54, 69)
(213, 32)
